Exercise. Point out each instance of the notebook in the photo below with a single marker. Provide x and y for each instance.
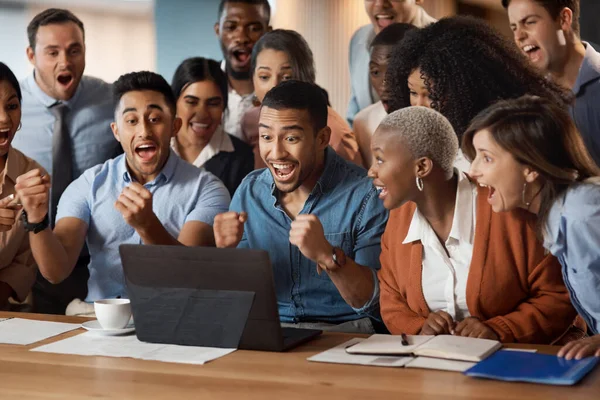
(441, 346)
(338, 355)
(532, 367)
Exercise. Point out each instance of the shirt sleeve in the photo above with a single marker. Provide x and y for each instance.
(213, 199)
(75, 201)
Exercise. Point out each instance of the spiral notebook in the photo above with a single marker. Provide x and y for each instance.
(531, 367)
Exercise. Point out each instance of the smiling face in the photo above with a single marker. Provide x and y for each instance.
(378, 65)
(497, 169)
(272, 67)
(536, 34)
(144, 127)
(10, 116)
(200, 107)
(290, 148)
(419, 94)
(58, 59)
(393, 169)
(383, 13)
(238, 29)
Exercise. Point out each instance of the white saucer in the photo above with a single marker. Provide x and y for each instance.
(94, 326)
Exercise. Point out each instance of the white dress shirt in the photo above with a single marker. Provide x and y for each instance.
(237, 106)
(444, 278)
(219, 142)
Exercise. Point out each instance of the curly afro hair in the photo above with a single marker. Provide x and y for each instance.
(467, 66)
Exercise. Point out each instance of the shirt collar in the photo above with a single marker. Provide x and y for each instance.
(220, 142)
(165, 174)
(590, 68)
(49, 101)
(462, 222)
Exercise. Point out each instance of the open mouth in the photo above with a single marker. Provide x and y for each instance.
(146, 151)
(199, 128)
(283, 171)
(384, 20)
(532, 51)
(491, 192)
(242, 56)
(4, 136)
(382, 191)
(65, 78)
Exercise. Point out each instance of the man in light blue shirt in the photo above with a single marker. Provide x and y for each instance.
(316, 214)
(147, 195)
(57, 52)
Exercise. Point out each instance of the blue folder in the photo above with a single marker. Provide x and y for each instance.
(520, 366)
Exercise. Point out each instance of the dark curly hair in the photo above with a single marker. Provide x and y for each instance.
(467, 66)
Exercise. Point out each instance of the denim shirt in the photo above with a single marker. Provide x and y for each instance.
(573, 236)
(353, 218)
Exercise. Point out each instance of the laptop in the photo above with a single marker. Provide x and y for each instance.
(200, 296)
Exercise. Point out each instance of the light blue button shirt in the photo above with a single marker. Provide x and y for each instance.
(88, 120)
(573, 236)
(353, 218)
(180, 193)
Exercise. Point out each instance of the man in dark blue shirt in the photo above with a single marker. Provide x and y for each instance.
(316, 214)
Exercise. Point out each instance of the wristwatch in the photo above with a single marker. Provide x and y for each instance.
(35, 228)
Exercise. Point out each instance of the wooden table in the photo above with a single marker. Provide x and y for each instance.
(248, 375)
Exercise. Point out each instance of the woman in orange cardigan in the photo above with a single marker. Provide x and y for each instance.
(449, 265)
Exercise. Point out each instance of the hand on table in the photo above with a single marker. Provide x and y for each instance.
(473, 327)
(581, 348)
(438, 323)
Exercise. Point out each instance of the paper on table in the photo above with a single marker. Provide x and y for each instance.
(338, 355)
(3, 319)
(91, 344)
(440, 364)
(27, 331)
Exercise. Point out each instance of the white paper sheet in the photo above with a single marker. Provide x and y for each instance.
(91, 344)
(338, 355)
(27, 331)
(3, 319)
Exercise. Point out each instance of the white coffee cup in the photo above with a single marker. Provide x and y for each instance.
(113, 313)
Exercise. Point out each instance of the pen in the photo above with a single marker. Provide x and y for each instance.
(404, 339)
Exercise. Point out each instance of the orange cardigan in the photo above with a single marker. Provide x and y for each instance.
(513, 287)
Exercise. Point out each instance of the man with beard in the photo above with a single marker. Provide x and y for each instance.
(316, 214)
(547, 32)
(241, 23)
(66, 126)
(147, 195)
(382, 13)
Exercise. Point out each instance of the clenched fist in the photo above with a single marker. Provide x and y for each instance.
(135, 204)
(33, 188)
(229, 228)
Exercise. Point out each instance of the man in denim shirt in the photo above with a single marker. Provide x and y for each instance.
(316, 214)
